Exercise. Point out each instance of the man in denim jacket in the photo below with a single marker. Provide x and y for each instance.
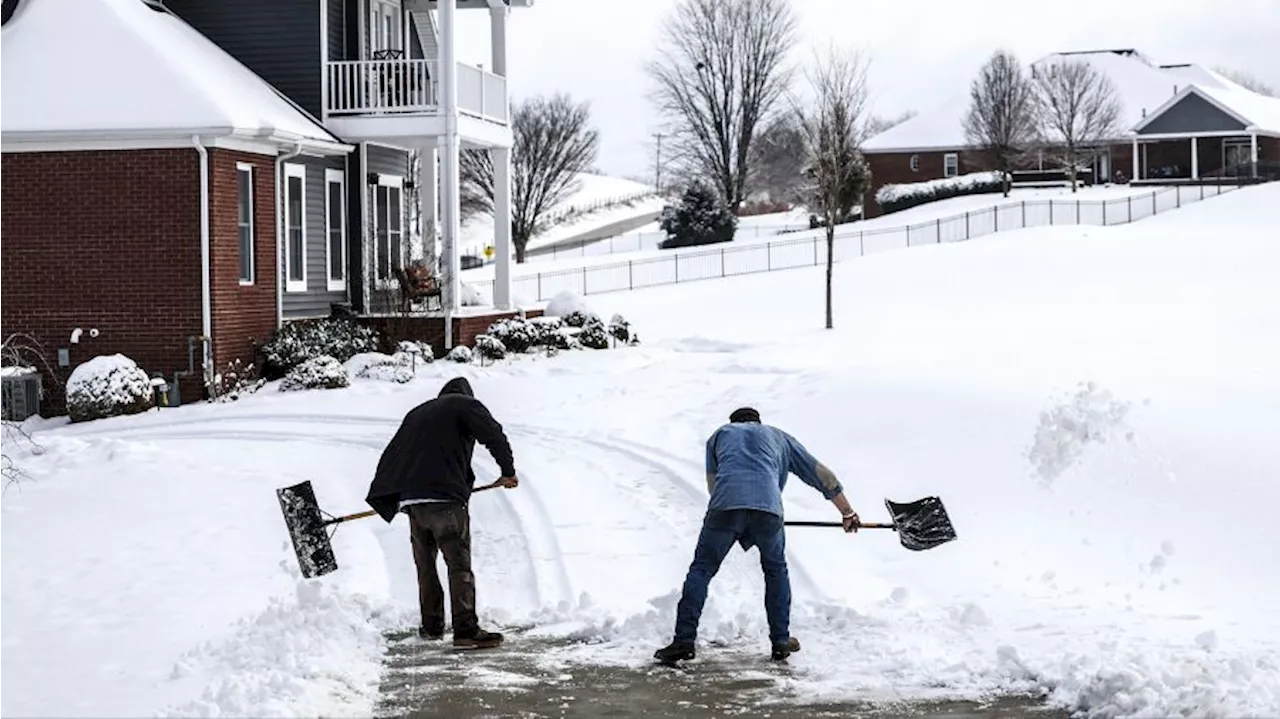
(747, 467)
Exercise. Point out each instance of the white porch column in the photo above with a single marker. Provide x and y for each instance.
(1136, 165)
(1195, 160)
(498, 34)
(450, 265)
(502, 226)
(428, 180)
(1253, 152)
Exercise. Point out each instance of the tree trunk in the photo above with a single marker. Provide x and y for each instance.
(831, 255)
(519, 251)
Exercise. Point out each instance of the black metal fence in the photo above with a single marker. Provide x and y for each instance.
(731, 259)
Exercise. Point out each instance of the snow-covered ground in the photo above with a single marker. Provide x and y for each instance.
(477, 232)
(1095, 405)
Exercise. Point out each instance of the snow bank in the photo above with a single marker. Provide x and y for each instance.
(894, 197)
(565, 303)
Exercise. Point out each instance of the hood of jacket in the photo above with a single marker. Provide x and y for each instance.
(457, 385)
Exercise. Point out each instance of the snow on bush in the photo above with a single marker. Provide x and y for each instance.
(323, 372)
(593, 334)
(490, 348)
(565, 303)
(577, 319)
(301, 340)
(1090, 416)
(515, 334)
(554, 334)
(386, 368)
(892, 198)
(421, 350)
(701, 218)
(236, 380)
(460, 354)
(620, 329)
(108, 386)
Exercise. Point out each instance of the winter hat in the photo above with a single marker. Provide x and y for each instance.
(744, 414)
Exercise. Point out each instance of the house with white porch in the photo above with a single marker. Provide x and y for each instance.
(221, 168)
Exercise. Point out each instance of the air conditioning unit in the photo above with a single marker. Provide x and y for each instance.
(21, 394)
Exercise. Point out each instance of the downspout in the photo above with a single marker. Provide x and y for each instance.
(281, 209)
(206, 293)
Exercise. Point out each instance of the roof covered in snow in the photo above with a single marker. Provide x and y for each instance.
(1141, 85)
(130, 70)
(1259, 113)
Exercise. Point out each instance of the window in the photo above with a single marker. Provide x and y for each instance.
(915, 163)
(295, 228)
(244, 220)
(950, 164)
(335, 202)
(382, 29)
(388, 222)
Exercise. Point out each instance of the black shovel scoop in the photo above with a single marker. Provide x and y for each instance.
(922, 524)
(307, 527)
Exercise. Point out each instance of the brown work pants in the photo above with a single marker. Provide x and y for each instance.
(444, 528)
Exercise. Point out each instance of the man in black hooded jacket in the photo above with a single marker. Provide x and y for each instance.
(426, 472)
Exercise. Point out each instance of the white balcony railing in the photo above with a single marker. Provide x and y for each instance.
(378, 87)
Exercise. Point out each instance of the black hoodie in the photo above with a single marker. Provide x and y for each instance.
(430, 455)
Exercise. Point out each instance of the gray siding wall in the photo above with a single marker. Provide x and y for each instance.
(317, 300)
(1193, 114)
(277, 39)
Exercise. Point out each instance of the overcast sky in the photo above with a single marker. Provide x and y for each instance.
(922, 51)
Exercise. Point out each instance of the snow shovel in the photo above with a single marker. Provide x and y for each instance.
(307, 527)
(922, 524)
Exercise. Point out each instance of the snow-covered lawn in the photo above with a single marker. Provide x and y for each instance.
(1096, 406)
(478, 231)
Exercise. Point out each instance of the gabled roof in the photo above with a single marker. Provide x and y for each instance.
(1258, 113)
(108, 70)
(1140, 85)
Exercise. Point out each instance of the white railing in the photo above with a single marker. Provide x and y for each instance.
(375, 87)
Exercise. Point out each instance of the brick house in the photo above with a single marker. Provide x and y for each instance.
(221, 168)
(1178, 122)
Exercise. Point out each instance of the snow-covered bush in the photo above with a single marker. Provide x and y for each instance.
(460, 354)
(300, 340)
(564, 303)
(620, 329)
(515, 334)
(421, 350)
(576, 319)
(386, 368)
(108, 386)
(552, 333)
(236, 380)
(323, 372)
(701, 218)
(490, 348)
(892, 198)
(593, 334)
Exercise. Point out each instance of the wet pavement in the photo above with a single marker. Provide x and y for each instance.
(523, 679)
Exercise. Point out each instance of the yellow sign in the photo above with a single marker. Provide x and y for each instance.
(488, 252)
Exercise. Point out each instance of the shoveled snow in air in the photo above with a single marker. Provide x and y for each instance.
(1095, 406)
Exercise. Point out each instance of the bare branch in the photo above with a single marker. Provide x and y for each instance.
(1001, 121)
(1247, 81)
(554, 143)
(879, 123)
(833, 127)
(1078, 111)
(720, 72)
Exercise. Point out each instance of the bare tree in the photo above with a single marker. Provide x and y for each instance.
(833, 127)
(1247, 81)
(1078, 110)
(778, 159)
(554, 143)
(1001, 121)
(721, 71)
(879, 123)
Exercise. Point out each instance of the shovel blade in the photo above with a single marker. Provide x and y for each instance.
(922, 524)
(306, 529)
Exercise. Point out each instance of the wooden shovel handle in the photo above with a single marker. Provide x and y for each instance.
(864, 525)
(370, 513)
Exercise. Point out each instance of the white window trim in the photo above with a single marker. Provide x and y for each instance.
(371, 33)
(915, 163)
(253, 226)
(386, 181)
(951, 156)
(291, 285)
(331, 177)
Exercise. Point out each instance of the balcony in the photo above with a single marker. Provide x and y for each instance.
(388, 88)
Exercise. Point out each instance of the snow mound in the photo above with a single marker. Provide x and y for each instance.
(108, 386)
(1090, 416)
(565, 303)
(383, 367)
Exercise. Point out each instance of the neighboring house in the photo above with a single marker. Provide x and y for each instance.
(219, 168)
(1177, 122)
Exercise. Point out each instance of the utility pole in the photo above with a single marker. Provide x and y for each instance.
(657, 165)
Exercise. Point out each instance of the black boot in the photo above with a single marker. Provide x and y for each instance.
(480, 640)
(782, 651)
(674, 652)
(430, 633)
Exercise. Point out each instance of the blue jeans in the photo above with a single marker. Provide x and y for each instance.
(719, 532)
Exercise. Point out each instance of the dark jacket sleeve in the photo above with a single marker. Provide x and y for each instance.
(488, 432)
